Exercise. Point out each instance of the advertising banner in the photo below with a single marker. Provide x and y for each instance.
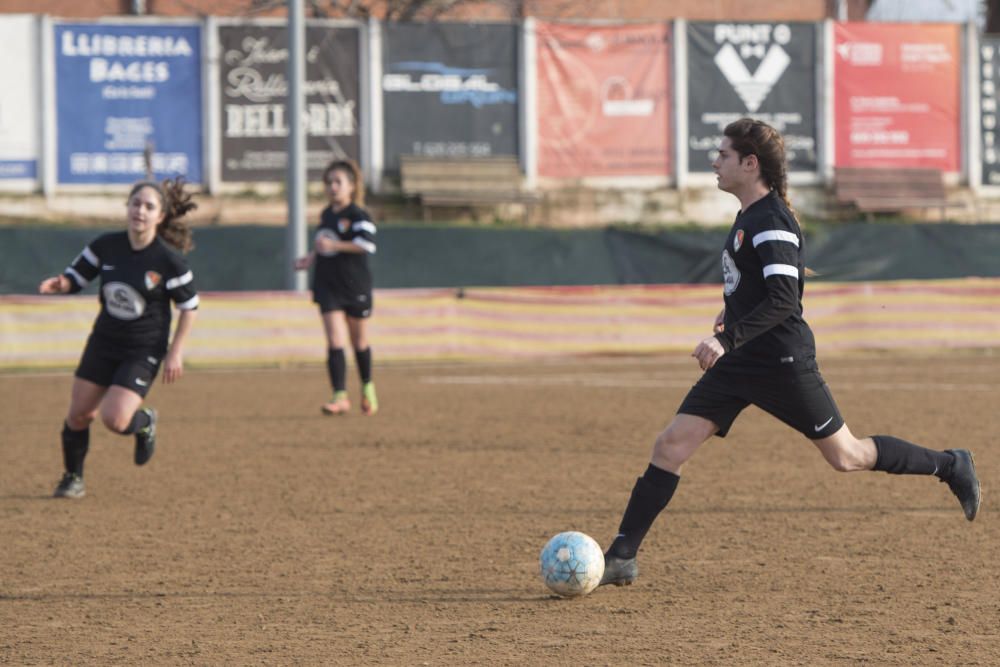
(603, 100)
(127, 94)
(989, 98)
(765, 71)
(897, 95)
(19, 99)
(253, 81)
(449, 90)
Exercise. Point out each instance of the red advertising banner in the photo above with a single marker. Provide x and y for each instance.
(897, 95)
(603, 100)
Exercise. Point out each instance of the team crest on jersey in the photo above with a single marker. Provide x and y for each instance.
(152, 280)
(343, 225)
(738, 240)
(730, 274)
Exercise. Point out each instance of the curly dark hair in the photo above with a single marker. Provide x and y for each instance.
(176, 203)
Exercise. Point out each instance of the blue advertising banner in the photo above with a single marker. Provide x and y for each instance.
(127, 94)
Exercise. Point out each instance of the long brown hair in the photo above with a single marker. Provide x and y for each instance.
(353, 171)
(755, 137)
(176, 203)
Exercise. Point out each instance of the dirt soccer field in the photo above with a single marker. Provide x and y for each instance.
(263, 533)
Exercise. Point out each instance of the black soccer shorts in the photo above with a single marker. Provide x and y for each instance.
(105, 364)
(794, 393)
(358, 306)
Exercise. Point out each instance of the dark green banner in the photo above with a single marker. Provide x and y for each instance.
(252, 257)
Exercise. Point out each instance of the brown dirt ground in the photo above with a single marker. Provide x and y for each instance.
(265, 534)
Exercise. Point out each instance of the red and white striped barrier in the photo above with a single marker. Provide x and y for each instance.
(276, 328)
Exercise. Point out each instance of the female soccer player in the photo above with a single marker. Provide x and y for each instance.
(141, 272)
(763, 353)
(342, 282)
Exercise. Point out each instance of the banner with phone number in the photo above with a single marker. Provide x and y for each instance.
(449, 90)
(897, 95)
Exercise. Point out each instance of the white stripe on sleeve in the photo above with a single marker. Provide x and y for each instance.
(190, 304)
(781, 270)
(180, 280)
(80, 280)
(89, 255)
(367, 246)
(364, 226)
(775, 235)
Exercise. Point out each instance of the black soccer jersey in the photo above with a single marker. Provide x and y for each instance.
(763, 279)
(136, 289)
(346, 273)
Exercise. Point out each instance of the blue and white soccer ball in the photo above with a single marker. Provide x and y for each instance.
(572, 564)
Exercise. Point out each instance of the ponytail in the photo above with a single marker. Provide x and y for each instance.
(755, 137)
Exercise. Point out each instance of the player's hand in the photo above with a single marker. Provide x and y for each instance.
(173, 367)
(303, 263)
(708, 352)
(54, 285)
(720, 322)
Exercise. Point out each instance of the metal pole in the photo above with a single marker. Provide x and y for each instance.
(842, 11)
(295, 238)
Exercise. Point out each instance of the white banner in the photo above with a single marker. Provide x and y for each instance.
(20, 115)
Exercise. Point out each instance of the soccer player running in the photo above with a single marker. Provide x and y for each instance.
(141, 271)
(342, 282)
(763, 353)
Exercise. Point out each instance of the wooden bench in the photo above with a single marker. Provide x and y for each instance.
(890, 190)
(464, 182)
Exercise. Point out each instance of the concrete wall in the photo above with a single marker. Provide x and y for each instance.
(564, 208)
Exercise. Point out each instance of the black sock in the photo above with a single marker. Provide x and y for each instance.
(364, 359)
(650, 495)
(899, 457)
(140, 420)
(75, 445)
(336, 366)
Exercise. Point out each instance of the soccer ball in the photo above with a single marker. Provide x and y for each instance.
(572, 564)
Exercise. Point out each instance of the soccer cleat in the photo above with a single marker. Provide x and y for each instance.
(369, 400)
(619, 571)
(338, 406)
(145, 439)
(963, 482)
(70, 486)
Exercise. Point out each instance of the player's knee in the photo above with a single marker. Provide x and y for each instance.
(671, 448)
(78, 421)
(116, 422)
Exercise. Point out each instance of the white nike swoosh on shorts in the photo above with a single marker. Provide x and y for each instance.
(823, 425)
